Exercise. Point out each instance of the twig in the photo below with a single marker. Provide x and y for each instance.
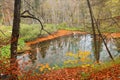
(3, 33)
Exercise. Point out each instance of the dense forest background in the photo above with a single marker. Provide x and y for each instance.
(68, 12)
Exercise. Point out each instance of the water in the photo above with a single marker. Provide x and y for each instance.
(54, 51)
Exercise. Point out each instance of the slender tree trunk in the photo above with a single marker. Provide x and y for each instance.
(97, 25)
(93, 28)
(15, 36)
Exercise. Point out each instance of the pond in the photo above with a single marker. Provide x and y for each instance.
(57, 51)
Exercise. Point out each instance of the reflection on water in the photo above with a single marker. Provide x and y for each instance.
(54, 51)
(99, 47)
(117, 44)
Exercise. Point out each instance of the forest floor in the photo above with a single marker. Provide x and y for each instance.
(78, 73)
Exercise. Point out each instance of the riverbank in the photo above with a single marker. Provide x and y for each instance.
(107, 70)
(60, 33)
(57, 34)
(78, 73)
(112, 35)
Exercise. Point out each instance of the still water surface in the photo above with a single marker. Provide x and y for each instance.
(54, 51)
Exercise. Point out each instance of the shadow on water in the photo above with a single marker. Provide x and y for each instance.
(54, 51)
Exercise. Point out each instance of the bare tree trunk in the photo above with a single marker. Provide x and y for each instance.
(14, 37)
(93, 28)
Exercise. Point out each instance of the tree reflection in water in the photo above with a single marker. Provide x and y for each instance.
(99, 48)
(54, 51)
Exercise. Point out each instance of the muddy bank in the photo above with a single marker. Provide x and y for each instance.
(57, 34)
(60, 33)
(112, 35)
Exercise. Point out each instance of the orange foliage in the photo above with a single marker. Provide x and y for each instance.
(112, 35)
(59, 33)
(112, 73)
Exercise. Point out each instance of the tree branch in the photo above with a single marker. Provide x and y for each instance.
(115, 17)
(97, 26)
(33, 17)
(3, 33)
(115, 22)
